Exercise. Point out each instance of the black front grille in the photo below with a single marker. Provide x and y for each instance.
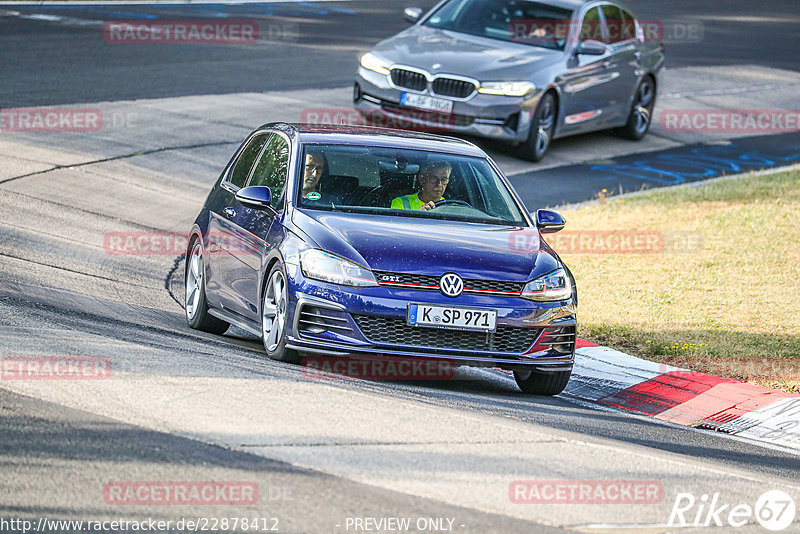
(395, 331)
(409, 79)
(431, 283)
(452, 87)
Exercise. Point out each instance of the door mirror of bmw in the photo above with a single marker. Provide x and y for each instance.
(412, 14)
(256, 196)
(591, 48)
(549, 222)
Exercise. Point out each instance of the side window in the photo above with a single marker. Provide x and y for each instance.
(241, 169)
(628, 26)
(592, 26)
(615, 23)
(272, 168)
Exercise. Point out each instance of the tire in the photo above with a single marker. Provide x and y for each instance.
(541, 133)
(196, 307)
(641, 113)
(274, 306)
(538, 383)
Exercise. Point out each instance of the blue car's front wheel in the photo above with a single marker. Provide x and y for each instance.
(541, 383)
(274, 310)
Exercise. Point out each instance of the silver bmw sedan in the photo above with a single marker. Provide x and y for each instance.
(525, 72)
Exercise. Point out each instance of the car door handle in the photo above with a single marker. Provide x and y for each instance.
(229, 212)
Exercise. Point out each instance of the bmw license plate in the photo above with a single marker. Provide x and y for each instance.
(426, 102)
(452, 317)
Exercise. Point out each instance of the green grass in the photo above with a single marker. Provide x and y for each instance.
(723, 296)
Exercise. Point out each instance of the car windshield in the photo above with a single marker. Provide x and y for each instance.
(519, 21)
(397, 182)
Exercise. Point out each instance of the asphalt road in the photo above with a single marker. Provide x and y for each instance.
(59, 56)
(185, 406)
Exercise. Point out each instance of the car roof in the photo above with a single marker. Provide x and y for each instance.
(373, 136)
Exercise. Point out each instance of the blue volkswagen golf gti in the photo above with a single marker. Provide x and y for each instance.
(378, 243)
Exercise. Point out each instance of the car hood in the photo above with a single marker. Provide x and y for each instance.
(468, 55)
(430, 246)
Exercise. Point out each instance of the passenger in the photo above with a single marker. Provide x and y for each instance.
(315, 169)
(433, 179)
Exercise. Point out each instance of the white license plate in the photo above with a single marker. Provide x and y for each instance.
(452, 317)
(426, 102)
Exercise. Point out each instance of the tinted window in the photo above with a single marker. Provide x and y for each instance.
(241, 169)
(381, 178)
(592, 27)
(272, 168)
(628, 25)
(520, 21)
(620, 28)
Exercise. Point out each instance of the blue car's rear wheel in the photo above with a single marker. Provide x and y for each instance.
(195, 296)
(538, 383)
(274, 309)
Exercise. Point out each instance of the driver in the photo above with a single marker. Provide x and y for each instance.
(433, 179)
(314, 170)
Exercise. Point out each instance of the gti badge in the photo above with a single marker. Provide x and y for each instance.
(451, 285)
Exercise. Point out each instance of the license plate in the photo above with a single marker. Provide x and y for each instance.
(426, 102)
(451, 317)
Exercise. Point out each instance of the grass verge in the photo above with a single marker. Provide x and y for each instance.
(705, 277)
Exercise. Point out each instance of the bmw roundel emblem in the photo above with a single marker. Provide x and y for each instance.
(451, 285)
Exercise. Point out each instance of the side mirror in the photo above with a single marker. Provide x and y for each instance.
(591, 48)
(257, 197)
(549, 222)
(412, 14)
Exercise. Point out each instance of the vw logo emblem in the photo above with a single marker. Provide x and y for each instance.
(451, 285)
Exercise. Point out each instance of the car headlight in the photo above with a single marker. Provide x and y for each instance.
(506, 88)
(372, 62)
(553, 286)
(321, 265)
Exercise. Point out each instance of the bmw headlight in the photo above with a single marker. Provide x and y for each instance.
(372, 62)
(506, 88)
(321, 265)
(553, 286)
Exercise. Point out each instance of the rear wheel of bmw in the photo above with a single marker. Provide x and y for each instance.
(641, 111)
(541, 132)
(274, 308)
(538, 383)
(195, 296)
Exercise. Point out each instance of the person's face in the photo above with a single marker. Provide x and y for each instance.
(314, 166)
(434, 182)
